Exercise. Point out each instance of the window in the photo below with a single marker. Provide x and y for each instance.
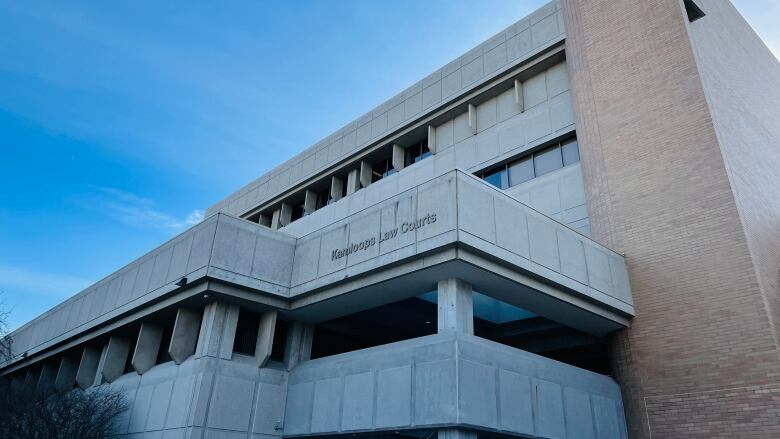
(246, 333)
(382, 169)
(534, 165)
(417, 152)
(693, 10)
(497, 177)
(571, 152)
(521, 171)
(547, 160)
(297, 213)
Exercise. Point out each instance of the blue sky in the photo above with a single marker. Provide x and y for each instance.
(120, 122)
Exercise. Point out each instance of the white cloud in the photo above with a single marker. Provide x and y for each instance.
(134, 210)
(21, 279)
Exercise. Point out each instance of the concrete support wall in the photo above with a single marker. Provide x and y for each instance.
(659, 189)
(185, 334)
(66, 373)
(336, 188)
(218, 330)
(365, 174)
(265, 337)
(399, 157)
(456, 306)
(88, 366)
(147, 347)
(310, 202)
(117, 350)
(353, 181)
(47, 377)
(298, 346)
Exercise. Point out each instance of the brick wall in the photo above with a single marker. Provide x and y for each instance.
(700, 359)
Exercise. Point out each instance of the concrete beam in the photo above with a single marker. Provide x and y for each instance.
(298, 344)
(365, 173)
(265, 337)
(432, 139)
(473, 118)
(147, 347)
(88, 366)
(519, 99)
(47, 377)
(66, 374)
(399, 157)
(309, 202)
(353, 181)
(456, 307)
(185, 334)
(336, 188)
(117, 350)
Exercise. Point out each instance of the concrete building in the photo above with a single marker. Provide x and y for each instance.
(571, 231)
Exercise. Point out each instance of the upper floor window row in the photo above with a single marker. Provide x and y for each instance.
(534, 165)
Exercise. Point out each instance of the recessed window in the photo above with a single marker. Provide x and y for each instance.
(246, 333)
(497, 177)
(571, 152)
(382, 169)
(693, 10)
(417, 152)
(521, 171)
(547, 160)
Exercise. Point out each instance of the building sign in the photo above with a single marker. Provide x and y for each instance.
(364, 245)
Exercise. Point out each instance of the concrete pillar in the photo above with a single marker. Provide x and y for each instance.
(309, 202)
(47, 377)
(147, 347)
(432, 139)
(102, 362)
(264, 220)
(185, 334)
(218, 330)
(456, 433)
(117, 350)
(275, 219)
(285, 214)
(399, 157)
(298, 345)
(88, 366)
(366, 173)
(456, 308)
(66, 374)
(336, 188)
(519, 99)
(353, 181)
(31, 377)
(265, 337)
(473, 118)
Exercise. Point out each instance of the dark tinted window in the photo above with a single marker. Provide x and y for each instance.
(547, 160)
(246, 333)
(417, 152)
(521, 171)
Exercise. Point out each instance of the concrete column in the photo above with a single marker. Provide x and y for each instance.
(473, 118)
(353, 181)
(66, 374)
(336, 188)
(31, 377)
(298, 344)
(309, 202)
(399, 157)
(432, 139)
(285, 214)
(365, 173)
(519, 99)
(456, 308)
(265, 337)
(102, 362)
(47, 377)
(264, 220)
(275, 219)
(88, 366)
(185, 334)
(218, 330)
(147, 347)
(117, 350)
(456, 433)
